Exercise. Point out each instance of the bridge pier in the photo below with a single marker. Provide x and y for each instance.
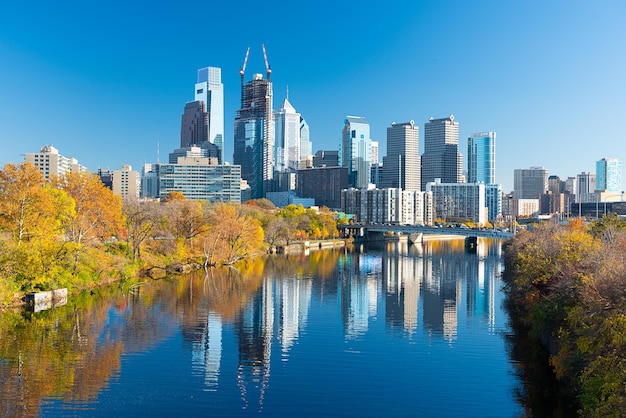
(415, 237)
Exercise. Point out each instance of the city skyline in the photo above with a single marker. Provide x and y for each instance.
(110, 98)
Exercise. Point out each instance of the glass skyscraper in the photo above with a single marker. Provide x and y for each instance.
(210, 90)
(609, 175)
(481, 158)
(355, 151)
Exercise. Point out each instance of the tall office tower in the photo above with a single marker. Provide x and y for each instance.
(254, 133)
(306, 148)
(210, 90)
(441, 158)
(609, 175)
(401, 165)
(481, 158)
(194, 125)
(356, 151)
(529, 183)
(287, 137)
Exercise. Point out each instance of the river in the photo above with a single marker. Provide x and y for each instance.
(397, 330)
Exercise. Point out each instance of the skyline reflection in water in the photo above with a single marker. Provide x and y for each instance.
(373, 331)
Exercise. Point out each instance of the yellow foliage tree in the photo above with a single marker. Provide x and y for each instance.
(98, 213)
(232, 235)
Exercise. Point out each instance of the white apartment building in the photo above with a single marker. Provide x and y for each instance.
(391, 205)
(51, 163)
(459, 202)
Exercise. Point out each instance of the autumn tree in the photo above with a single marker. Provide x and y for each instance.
(232, 235)
(141, 220)
(185, 219)
(25, 203)
(98, 211)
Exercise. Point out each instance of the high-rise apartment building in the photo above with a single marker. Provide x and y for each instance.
(210, 90)
(609, 175)
(254, 135)
(356, 150)
(126, 182)
(50, 162)
(441, 158)
(401, 165)
(529, 183)
(287, 137)
(481, 158)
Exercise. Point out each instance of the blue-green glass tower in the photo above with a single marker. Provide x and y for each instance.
(481, 158)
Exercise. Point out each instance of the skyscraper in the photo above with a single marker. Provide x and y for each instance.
(441, 158)
(254, 135)
(287, 137)
(306, 148)
(401, 165)
(481, 158)
(609, 175)
(356, 150)
(194, 125)
(210, 90)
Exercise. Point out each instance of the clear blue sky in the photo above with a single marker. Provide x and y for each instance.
(104, 82)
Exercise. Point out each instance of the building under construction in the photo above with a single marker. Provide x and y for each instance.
(254, 131)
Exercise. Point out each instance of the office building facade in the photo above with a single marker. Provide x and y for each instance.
(530, 183)
(324, 184)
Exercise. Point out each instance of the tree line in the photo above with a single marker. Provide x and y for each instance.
(566, 288)
(72, 231)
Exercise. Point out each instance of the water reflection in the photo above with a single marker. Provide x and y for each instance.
(235, 324)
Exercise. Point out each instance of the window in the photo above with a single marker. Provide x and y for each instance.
(199, 91)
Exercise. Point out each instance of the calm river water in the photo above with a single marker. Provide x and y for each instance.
(394, 331)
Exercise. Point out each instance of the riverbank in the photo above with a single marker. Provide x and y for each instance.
(565, 289)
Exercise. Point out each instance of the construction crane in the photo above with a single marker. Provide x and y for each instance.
(242, 71)
(267, 65)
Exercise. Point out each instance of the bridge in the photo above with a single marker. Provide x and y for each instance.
(374, 232)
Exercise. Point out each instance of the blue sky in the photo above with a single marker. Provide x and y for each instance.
(105, 82)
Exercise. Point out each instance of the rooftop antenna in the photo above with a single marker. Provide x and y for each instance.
(267, 65)
(242, 71)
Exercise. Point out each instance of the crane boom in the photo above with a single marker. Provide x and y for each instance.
(242, 71)
(267, 65)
